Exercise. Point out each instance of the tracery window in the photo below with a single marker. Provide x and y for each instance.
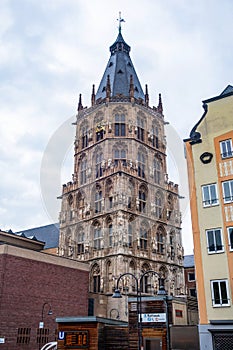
(119, 125)
(84, 137)
(110, 234)
(83, 171)
(143, 237)
(140, 128)
(157, 170)
(80, 243)
(120, 156)
(98, 200)
(160, 235)
(97, 239)
(130, 235)
(155, 135)
(141, 164)
(158, 205)
(98, 165)
(142, 199)
(95, 282)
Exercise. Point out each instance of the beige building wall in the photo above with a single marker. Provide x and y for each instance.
(215, 126)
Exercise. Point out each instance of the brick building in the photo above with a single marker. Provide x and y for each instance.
(33, 284)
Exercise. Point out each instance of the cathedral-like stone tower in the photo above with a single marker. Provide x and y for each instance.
(119, 213)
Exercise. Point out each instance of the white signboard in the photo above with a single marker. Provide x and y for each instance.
(41, 325)
(153, 317)
(2, 340)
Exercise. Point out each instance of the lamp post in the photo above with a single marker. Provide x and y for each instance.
(42, 313)
(138, 281)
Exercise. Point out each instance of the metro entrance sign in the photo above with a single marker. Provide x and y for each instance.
(161, 317)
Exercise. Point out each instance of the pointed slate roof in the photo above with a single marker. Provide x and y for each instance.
(121, 72)
(227, 90)
(48, 234)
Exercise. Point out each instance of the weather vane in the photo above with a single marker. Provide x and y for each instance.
(120, 20)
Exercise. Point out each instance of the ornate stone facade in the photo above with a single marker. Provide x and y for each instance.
(120, 213)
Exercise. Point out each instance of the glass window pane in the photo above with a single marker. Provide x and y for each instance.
(226, 190)
(206, 196)
(213, 193)
(216, 293)
(218, 239)
(230, 232)
(211, 244)
(223, 289)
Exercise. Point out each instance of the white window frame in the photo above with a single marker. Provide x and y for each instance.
(220, 282)
(227, 198)
(214, 230)
(230, 232)
(226, 148)
(209, 202)
(189, 278)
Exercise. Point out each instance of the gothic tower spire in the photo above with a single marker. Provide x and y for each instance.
(120, 68)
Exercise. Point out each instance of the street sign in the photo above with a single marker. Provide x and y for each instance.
(161, 317)
(2, 340)
(41, 325)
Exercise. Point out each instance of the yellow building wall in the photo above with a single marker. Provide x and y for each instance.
(214, 127)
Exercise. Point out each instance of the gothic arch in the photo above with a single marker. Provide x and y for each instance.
(80, 199)
(99, 116)
(119, 109)
(95, 278)
(109, 276)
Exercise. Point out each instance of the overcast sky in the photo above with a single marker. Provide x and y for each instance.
(52, 50)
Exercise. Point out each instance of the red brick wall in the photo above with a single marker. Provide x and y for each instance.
(25, 285)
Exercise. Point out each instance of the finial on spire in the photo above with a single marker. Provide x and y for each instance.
(120, 20)
(80, 106)
(146, 96)
(93, 95)
(160, 105)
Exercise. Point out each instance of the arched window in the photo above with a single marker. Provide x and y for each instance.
(130, 235)
(160, 235)
(80, 200)
(141, 164)
(155, 133)
(143, 237)
(97, 239)
(120, 156)
(95, 279)
(172, 244)
(80, 242)
(146, 279)
(119, 125)
(140, 129)
(84, 137)
(157, 170)
(83, 171)
(109, 276)
(70, 199)
(110, 234)
(98, 200)
(142, 200)
(98, 167)
(158, 205)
